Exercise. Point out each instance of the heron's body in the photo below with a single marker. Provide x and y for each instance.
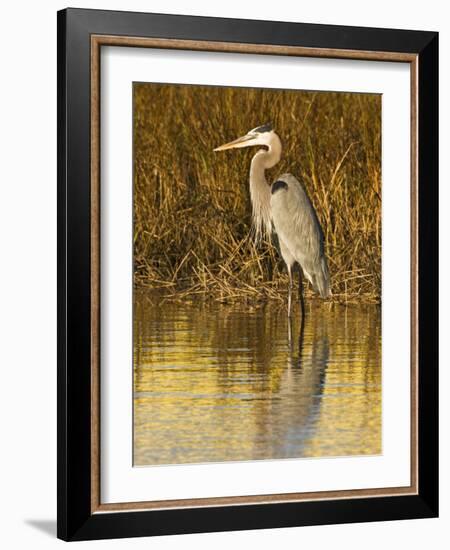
(299, 231)
(285, 207)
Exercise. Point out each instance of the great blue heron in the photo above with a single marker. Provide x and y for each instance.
(285, 206)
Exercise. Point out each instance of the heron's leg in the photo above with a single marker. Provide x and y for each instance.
(290, 332)
(301, 336)
(300, 292)
(289, 269)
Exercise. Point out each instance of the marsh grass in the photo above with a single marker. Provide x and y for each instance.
(192, 212)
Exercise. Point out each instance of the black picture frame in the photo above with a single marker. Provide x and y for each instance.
(75, 518)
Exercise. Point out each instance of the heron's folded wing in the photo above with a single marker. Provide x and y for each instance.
(296, 222)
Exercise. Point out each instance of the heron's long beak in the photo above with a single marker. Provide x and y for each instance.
(244, 141)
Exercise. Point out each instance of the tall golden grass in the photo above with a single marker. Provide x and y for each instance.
(192, 212)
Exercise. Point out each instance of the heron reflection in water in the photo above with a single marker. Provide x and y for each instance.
(284, 206)
(307, 363)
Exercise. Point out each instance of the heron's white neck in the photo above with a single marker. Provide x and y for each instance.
(260, 188)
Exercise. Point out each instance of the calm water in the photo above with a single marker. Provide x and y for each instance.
(215, 383)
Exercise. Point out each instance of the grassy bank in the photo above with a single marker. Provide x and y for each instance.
(192, 224)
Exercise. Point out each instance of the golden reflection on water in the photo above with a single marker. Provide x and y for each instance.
(215, 383)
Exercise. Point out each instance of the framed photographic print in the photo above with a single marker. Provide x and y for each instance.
(247, 251)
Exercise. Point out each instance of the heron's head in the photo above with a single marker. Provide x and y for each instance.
(261, 135)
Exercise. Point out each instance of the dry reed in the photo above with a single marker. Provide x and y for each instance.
(192, 222)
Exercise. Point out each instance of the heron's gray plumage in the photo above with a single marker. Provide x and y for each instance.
(298, 229)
